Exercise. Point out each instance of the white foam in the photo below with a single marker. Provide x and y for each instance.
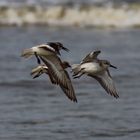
(93, 16)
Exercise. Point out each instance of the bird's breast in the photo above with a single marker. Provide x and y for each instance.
(91, 68)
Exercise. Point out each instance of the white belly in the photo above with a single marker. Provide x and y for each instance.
(41, 51)
(91, 68)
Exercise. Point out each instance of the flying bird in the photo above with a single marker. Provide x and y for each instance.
(50, 48)
(41, 69)
(98, 69)
(55, 68)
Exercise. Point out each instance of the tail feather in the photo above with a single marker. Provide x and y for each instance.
(76, 69)
(27, 53)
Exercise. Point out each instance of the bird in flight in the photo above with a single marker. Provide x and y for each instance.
(54, 67)
(98, 69)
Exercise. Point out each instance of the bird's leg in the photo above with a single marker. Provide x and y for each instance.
(38, 60)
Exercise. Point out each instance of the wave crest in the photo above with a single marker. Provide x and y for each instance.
(88, 16)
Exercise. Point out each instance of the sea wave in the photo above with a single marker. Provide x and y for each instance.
(83, 16)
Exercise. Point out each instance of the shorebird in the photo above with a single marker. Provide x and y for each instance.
(49, 52)
(56, 69)
(98, 69)
(50, 48)
(41, 69)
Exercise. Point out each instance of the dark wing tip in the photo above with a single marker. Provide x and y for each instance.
(74, 100)
(70, 94)
(112, 93)
(116, 96)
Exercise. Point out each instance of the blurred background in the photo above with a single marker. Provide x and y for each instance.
(35, 109)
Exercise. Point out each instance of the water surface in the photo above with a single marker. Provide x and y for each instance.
(35, 109)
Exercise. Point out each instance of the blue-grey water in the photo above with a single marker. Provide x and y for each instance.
(34, 109)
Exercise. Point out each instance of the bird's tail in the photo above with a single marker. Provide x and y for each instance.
(76, 69)
(27, 53)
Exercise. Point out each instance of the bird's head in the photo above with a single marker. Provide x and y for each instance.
(107, 64)
(66, 64)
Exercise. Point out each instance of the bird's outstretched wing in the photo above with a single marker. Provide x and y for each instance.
(38, 71)
(61, 76)
(107, 83)
(91, 57)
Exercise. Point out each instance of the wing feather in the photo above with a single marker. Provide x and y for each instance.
(70, 93)
(107, 83)
(55, 71)
(91, 56)
(60, 75)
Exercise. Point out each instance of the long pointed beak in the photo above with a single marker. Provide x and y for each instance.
(66, 49)
(113, 66)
